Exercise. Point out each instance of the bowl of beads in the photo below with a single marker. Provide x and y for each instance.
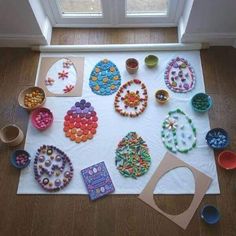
(151, 61)
(227, 160)
(20, 159)
(131, 65)
(162, 96)
(201, 102)
(41, 118)
(217, 138)
(31, 98)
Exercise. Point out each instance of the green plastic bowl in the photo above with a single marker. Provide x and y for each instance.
(201, 102)
(151, 61)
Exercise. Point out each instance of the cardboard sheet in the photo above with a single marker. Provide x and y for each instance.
(46, 63)
(202, 183)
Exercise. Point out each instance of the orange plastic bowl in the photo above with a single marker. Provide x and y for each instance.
(227, 160)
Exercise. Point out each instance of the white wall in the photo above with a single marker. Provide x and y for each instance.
(23, 23)
(210, 21)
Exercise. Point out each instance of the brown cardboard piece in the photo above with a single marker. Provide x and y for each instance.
(45, 65)
(202, 183)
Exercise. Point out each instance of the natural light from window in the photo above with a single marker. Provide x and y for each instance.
(146, 7)
(81, 7)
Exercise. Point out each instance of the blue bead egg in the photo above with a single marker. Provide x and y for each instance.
(105, 78)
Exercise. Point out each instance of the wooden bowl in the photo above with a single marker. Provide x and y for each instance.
(29, 90)
(11, 135)
(131, 65)
(151, 61)
(162, 96)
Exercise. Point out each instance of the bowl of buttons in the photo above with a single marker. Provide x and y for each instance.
(41, 118)
(32, 98)
(201, 102)
(162, 96)
(217, 138)
(131, 65)
(20, 159)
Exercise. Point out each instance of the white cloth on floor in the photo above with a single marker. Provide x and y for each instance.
(112, 127)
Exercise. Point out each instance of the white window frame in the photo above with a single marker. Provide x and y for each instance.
(114, 15)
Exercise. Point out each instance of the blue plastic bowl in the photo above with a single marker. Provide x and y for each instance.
(217, 138)
(201, 102)
(13, 159)
(210, 214)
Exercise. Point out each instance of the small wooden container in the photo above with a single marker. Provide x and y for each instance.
(162, 96)
(131, 65)
(11, 135)
(29, 90)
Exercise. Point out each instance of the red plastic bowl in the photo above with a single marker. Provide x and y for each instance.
(227, 160)
(34, 115)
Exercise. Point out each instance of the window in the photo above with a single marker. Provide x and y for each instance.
(147, 7)
(81, 7)
(113, 13)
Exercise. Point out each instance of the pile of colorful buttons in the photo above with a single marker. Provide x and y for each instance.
(33, 99)
(41, 118)
(81, 122)
(105, 78)
(132, 157)
(217, 138)
(20, 159)
(201, 102)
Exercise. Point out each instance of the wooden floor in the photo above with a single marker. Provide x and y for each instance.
(114, 215)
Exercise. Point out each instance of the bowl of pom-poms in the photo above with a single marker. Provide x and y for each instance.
(201, 102)
(162, 96)
(20, 159)
(41, 118)
(217, 138)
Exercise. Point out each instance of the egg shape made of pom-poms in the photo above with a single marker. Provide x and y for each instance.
(105, 78)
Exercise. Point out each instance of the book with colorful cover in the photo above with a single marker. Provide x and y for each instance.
(97, 180)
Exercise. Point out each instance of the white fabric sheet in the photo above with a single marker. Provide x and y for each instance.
(112, 127)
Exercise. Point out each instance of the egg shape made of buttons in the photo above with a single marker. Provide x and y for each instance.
(81, 122)
(53, 169)
(105, 78)
(180, 76)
